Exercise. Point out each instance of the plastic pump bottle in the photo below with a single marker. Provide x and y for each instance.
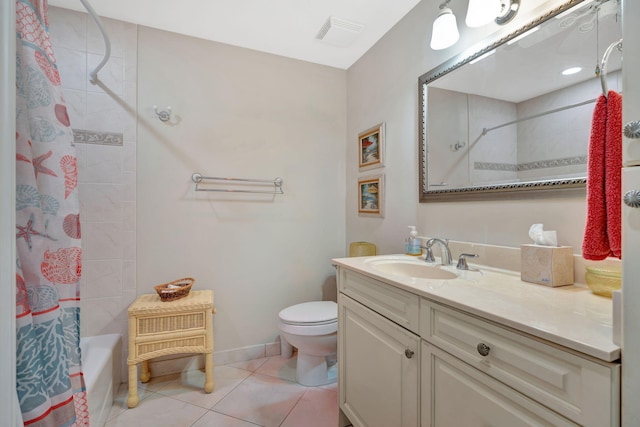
(412, 244)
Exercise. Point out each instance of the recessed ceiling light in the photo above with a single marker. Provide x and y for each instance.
(571, 70)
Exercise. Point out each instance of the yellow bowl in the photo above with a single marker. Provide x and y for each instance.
(602, 280)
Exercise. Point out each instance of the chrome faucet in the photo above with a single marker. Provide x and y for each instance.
(445, 253)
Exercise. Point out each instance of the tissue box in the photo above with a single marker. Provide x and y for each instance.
(547, 265)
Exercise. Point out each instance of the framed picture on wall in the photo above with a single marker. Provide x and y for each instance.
(371, 196)
(371, 148)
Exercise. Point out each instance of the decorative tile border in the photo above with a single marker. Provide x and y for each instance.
(542, 164)
(504, 167)
(553, 163)
(82, 136)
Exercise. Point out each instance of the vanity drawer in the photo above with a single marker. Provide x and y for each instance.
(581, 389)
(395, 304)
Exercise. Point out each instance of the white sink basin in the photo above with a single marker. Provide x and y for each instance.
(409, 268)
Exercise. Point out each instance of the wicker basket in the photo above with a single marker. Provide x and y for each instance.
(169, 292)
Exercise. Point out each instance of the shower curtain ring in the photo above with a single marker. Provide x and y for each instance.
(163, 115)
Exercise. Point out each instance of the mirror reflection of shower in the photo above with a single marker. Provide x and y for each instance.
(513, 117)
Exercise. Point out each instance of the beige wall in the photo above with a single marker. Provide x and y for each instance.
(382, 86)
(243, 114)
(236, 113)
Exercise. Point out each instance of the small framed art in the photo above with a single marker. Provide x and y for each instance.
(371, 196)
(371, 148)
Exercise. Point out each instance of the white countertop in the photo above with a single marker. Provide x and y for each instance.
(570, 316)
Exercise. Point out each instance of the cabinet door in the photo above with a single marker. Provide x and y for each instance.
(378, 364)
(456, 394)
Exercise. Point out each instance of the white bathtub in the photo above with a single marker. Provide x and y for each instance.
(101, 356)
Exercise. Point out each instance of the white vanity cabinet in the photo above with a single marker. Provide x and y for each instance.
(503, 378)
(378, 360)
(405, 359)
(456, 394)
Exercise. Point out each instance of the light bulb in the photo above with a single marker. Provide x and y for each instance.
(445, 30)
(482, 12)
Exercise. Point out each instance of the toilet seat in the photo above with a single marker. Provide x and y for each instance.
(310, 318)
(309, 330)
(310, 313)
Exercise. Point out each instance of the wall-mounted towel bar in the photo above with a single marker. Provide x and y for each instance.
(237, 183)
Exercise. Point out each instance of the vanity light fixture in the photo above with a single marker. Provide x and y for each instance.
(508, 10)
(482, 12)
(572, 70)
(445, 28)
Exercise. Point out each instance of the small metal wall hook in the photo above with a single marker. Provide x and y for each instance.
(458, 145)
(163, 115)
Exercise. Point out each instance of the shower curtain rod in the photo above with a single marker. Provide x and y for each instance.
(603, 82)
(93, 75)
(535, 116)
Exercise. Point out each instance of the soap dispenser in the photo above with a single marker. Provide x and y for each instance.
(412, 244)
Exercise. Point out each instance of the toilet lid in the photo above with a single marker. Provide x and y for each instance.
(316, 312)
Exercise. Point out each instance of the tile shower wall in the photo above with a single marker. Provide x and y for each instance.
(553, 145)
(496, 147)
(103, 119)
(460, 119)
(558, 141)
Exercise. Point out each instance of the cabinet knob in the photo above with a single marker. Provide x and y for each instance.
(632, 198)
(483, 349)
(632, 129)
(409, 353)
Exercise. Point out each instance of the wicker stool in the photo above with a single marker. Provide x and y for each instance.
(158, 328)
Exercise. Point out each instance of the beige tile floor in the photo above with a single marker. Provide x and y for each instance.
(260, 392)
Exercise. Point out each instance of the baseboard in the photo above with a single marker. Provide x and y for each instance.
(173, 364)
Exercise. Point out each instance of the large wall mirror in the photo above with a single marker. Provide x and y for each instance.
(510, 117)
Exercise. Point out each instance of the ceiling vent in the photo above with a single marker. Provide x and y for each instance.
(339, 32)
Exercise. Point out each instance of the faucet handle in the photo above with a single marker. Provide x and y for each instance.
(429, 256)
(462, 261)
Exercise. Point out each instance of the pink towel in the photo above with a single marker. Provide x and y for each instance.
(602, 235)
(595, 245)
(613, 172)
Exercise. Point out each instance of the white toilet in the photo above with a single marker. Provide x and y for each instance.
(311, 327)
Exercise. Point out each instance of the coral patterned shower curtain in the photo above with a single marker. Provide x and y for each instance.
(50, 385)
